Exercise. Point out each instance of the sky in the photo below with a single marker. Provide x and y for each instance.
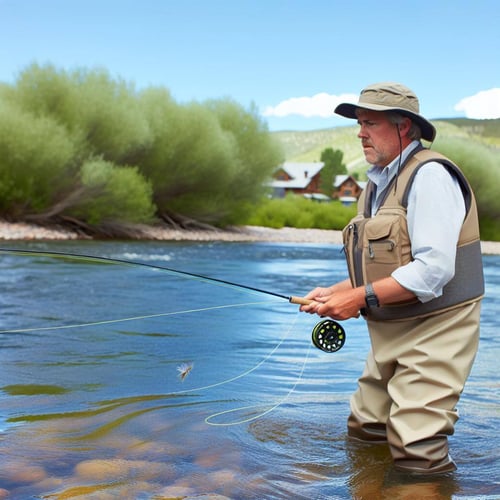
(292, 59)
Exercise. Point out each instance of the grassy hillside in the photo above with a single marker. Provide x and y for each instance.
(487, 130)
(307, 146)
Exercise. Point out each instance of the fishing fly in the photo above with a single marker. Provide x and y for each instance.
(327, 335)
(184, 370)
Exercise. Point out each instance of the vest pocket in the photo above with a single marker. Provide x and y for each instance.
(381, 251)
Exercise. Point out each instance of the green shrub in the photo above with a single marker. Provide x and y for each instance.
(113, 193)
(296, 211)
(481, 165)
(490, 228)
(36, 161)
(102, 112)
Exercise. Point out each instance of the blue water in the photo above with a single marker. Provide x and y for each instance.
(92, 405)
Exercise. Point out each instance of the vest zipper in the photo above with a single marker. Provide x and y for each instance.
(349, 251)
(357, 256)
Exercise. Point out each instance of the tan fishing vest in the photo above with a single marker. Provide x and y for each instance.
(376, 246)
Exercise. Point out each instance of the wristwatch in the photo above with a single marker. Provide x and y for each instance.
(371, 299)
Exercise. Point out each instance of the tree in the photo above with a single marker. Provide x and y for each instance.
(189, 160)
(332, 158)
(255, 155)
(481, 167)
(81, 145)
(37, 167)
(117, 195)
(101, 113)
(207, 161)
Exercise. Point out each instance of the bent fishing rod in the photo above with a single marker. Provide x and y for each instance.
(327, 335)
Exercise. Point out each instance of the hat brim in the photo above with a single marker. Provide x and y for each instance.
(348, 110)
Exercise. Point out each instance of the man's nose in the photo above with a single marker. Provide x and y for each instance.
(361, 132)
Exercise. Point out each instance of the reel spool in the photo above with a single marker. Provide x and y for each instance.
(328, 336)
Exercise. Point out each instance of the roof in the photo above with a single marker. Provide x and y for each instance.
(300, 174)
(340, 179)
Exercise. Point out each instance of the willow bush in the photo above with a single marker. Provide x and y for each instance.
(189, 162)
(82, 144)
(102, 113)
(254, 150)
(112, 194)
(481, 166)
(207, 160)
(37, 164)
(296, 211)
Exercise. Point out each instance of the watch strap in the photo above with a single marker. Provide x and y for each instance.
(371, 298)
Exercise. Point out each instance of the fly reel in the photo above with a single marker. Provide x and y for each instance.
(328, 336)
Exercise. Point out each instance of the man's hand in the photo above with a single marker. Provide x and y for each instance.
(340, 305)
(339, 301)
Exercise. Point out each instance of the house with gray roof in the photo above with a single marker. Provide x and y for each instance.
(297, 178)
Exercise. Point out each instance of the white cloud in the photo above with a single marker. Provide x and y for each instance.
(484, 104)
(319, 105)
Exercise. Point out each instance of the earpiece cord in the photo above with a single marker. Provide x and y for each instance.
(399, 158)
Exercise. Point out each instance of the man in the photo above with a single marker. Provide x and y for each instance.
(414, 260)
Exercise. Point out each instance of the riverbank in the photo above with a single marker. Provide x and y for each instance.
(31, 232)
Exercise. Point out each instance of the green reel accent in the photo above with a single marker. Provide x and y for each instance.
(328, 336)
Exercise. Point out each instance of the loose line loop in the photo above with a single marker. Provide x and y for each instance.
(210, 419)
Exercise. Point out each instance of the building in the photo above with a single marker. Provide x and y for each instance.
(305, 179)
(347, 189)
(297, 178)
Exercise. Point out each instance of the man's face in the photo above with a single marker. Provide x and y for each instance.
(379, 137)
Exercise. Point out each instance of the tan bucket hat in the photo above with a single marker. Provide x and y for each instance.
(389, 96)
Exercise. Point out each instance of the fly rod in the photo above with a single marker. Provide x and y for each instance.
(292, 299)
(328, 335)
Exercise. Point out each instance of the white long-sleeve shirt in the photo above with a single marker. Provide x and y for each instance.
(435, 213)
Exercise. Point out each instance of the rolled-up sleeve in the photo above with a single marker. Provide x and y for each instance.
(436, 211)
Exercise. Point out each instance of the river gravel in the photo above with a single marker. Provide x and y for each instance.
(27, 232)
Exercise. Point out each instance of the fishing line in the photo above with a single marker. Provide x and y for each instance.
(133, 318)
(209, 419)
(235, 378)
(245, 373)
(328, 335)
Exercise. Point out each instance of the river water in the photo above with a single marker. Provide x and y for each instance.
(129, 381)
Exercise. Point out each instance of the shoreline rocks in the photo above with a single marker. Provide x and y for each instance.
(31, 232)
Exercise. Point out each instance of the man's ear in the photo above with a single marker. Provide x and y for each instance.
(404, 126)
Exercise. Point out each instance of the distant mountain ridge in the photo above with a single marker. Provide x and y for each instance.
(306, 146)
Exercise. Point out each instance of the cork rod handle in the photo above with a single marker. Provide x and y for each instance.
(300, 300)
